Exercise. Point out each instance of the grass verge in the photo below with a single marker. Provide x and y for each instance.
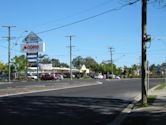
(151, 99)
(161, 86)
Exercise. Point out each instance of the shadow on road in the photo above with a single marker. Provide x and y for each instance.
(51, 110)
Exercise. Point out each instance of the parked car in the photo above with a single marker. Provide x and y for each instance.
(111, 76)
(60, 76)
(117, 77)
(32, 76)
(51, 76)
(46, 77)
(66, 75)
(3, 77)
(99, 76)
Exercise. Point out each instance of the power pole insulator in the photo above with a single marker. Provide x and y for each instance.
(147, 38)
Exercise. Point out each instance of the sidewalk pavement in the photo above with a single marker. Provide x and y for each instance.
(155, 114)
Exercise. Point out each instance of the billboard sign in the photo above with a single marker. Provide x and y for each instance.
(32, 38)
(45, 66)
(32, 47)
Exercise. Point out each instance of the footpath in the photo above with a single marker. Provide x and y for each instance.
(153, 114)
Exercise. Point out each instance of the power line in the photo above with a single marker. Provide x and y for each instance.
(91, 17)
(75, 14)
(5, 47)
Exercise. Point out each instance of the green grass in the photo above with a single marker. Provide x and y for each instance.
(161, 86)
(151, 99)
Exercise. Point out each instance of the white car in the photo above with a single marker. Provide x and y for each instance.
(112, 76)
(99, 76)
(117, 77)
(32, 77)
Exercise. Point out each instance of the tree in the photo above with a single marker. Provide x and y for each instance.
(118, 71)
(126, 71)
(20, 63)
(45, 60)
(91, 63)
(107, 68)
(134, 70)
(163, 66)
(153, 68)
(78, 62)
(55, 62)
(64, 65)
(3, 68)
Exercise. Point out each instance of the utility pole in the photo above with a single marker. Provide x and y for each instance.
(148, 75)
(9, 52)
(111, 54)
(165, 75)
(70, 46)
(144, 53)
(165, 72)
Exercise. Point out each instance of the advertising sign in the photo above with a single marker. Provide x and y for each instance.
(45, 66)
(32, 44)
(32, 38)
(32, 47)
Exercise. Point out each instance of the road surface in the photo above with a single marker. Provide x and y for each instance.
(92, 105)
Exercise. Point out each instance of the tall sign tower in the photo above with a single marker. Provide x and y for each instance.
(32, 45)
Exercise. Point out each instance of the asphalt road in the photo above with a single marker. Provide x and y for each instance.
(45, 83)
(119, 89)
(92, 105)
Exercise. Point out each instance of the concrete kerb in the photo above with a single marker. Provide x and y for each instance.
(152, 89)
(121, 117)
(122, 79)
(5, 83)
(46, 90)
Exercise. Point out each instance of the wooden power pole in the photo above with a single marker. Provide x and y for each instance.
(111, 54)
(70, 37)
(9, 51)
(144, 53)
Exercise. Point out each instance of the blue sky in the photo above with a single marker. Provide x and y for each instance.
(118, 29)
